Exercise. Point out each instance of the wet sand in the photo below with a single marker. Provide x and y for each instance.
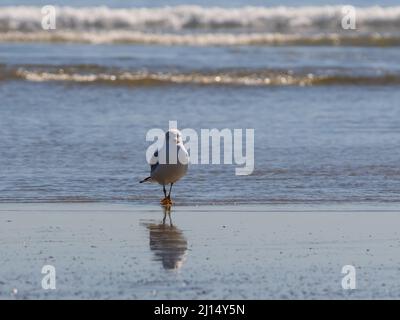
(213, 252)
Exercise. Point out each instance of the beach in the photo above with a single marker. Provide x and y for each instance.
(84, 85)
(122, 251)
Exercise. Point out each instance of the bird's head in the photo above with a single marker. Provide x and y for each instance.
(174, 136)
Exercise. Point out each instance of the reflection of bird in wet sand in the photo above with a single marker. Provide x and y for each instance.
(169, 164)
(168, 243)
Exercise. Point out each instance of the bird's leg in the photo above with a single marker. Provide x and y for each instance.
(169, 194)
(165, 200)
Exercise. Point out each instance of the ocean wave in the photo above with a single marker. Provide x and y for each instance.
(88, 74)
(195, 25)
(204, 39)
(273, 19)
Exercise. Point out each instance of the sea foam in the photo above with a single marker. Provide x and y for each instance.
(180, 18)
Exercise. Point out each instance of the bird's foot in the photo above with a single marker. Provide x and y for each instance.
(166, 201)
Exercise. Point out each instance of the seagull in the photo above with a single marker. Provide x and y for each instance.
(167, 171)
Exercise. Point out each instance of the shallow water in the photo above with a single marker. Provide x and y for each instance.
(73, 117)
(118, 251)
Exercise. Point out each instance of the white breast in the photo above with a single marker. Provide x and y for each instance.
(171, 172)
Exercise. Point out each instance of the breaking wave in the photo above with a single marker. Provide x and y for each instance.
(216, 39)
(88, 74)
(195, 25)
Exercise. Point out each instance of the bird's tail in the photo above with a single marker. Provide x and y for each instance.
(147, 179)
